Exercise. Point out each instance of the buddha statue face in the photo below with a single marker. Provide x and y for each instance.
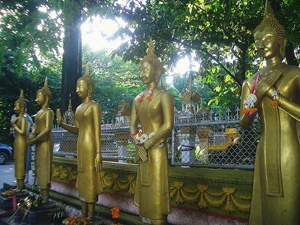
(147, 74)
(17, 108)
(40, 98)
(20, 106)
(266, 43)
(82, 88)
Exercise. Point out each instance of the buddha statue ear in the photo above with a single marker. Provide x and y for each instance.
(158, 73)
(46, 98)
(282, 47)
(90, 91)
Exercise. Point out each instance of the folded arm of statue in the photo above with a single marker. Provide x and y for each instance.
(32, 135)
(289, 107)
(14, 120)
(31, 139)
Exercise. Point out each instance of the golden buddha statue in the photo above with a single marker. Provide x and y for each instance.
(20, 143)
(89, 159)
(153, 109)
(41, 137)
(273, 92)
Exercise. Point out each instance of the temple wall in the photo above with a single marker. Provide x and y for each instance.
(198, 195)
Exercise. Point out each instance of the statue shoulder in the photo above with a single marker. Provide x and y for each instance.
(293, 70)
(250, 81)
(166, 95)
(95, 106)
(51, 111)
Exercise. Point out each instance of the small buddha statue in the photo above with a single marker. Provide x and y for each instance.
(153, 110)
(89, 159)
(273, 93)
(41, 137)
(20, 143)
(69, 114)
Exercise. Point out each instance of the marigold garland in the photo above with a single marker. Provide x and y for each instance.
(148, 97)
(115, 213)
(274, 96)
(72, 220)
(274, 103)
(250, 110)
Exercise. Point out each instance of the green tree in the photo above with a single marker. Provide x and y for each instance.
(11, 84)
(28, 36)
(218, 34)
(115, 80)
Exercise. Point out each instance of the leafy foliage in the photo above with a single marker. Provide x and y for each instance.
(116, 80)
(218, 34)
(10, 92)
(28, 36)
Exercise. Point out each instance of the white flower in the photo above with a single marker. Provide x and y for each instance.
(249, 101)
(137, 137)
(143, 138)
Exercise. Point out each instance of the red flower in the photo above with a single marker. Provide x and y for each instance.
(274, 103)
(115, 212)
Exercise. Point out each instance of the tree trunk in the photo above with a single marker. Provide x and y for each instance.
(72, 56)
(290, 55)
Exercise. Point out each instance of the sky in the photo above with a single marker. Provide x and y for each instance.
(94, 35)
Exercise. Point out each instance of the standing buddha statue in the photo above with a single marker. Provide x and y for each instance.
(274, 94)
(41, 137)
(20, 143)
(153, 110)
(89, 159)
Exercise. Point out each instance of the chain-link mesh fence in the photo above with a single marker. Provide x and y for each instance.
(220, 144)
(208, 140)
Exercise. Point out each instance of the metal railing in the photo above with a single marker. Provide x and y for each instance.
(207, 139)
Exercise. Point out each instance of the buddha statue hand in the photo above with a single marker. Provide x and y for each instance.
(31, 139)
(59, 118)
(32, 135)
(141, 153)
(98, 162)
(266, 83)
(14, 121)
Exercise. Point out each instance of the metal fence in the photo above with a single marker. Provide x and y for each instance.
(207, 139)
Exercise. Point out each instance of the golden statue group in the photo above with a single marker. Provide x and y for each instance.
(272, 93)
(41, 137)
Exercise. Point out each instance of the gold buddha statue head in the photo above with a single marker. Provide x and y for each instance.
(46, 91)
(88, 80)
(21, 101)
(153, 60)
(269, 21)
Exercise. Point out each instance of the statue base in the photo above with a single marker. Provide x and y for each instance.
(47, 213)
(6, 196)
